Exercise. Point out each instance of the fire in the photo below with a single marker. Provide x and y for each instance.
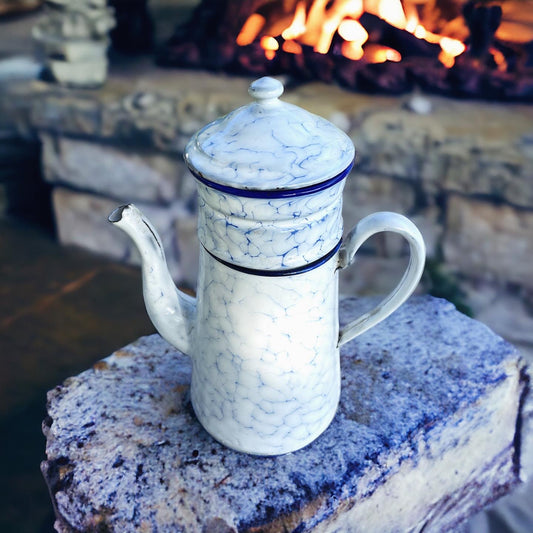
(352, 30)
(270, 45)
(297, 26)
(317, 23)
(253, 25)
(377, 53)
(451, 48)
(391, 11)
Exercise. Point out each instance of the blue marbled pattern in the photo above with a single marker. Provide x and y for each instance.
(265, 348)
(270, 234)
(267, 381)
(269, 144)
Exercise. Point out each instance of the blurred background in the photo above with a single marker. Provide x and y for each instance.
(97, 102)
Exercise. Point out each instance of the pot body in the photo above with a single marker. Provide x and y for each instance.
(265, 357)
(266, 364)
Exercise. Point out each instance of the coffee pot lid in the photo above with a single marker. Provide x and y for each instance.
(269, 145)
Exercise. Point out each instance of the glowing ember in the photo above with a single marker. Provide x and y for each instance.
(499, 59)
(351, 30)
(297, 27)
(352, 50)
(253, 25)
(451, 48)
(377, 53)
(292, 47)
(270, 46)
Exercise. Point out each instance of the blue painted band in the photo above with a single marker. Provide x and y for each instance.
(279, 193)
(279, 273)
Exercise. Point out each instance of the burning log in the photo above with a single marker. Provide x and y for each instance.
(370, 45)
(482, 21)
(390, 78)
(406, 43)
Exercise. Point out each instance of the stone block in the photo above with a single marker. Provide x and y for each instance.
(66, 113)
(505, 311)
(473, 148)
(188, 250)
(427, 432)
(497, 170)
(397, 142)
(486, 240)
(365, 194)
(120, 172)
(81, 220)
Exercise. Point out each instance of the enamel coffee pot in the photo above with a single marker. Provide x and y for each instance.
(263, 331)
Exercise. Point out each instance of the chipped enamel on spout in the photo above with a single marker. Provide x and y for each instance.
(263, 332)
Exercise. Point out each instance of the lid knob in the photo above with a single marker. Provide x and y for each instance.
(266, 89)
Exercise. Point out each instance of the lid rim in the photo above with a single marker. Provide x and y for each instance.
(273, 193)
(269, 145)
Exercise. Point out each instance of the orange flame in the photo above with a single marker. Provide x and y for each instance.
(297, 27)
(377, 53)
(391, 11)
(451, 48)
(253, 25)
(270, 45)
(292, 47)
(351, 30)
(499, 59)
(317, 25)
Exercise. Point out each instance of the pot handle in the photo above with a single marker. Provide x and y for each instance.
(368, 226)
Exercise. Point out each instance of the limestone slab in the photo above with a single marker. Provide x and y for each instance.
(469, 147)
(81, 220)
(427, 432)
(486, 240)
(112, 171)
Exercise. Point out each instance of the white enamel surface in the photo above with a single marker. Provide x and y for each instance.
(171, 311)
(270, 234)
(269, 145)
(266, 371)
(265, 349)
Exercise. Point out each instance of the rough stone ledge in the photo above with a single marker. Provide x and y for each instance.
(427, 432)
(467, 147)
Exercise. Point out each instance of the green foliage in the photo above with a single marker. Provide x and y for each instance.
(442, 284)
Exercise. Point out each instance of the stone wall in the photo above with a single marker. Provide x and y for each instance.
(463, 171)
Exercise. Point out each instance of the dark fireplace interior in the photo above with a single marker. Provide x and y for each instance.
(462, 48)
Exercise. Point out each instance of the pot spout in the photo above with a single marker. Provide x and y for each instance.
(172, 312)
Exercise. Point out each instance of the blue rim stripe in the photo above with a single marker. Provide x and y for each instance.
(279, 273)
(269, 194)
